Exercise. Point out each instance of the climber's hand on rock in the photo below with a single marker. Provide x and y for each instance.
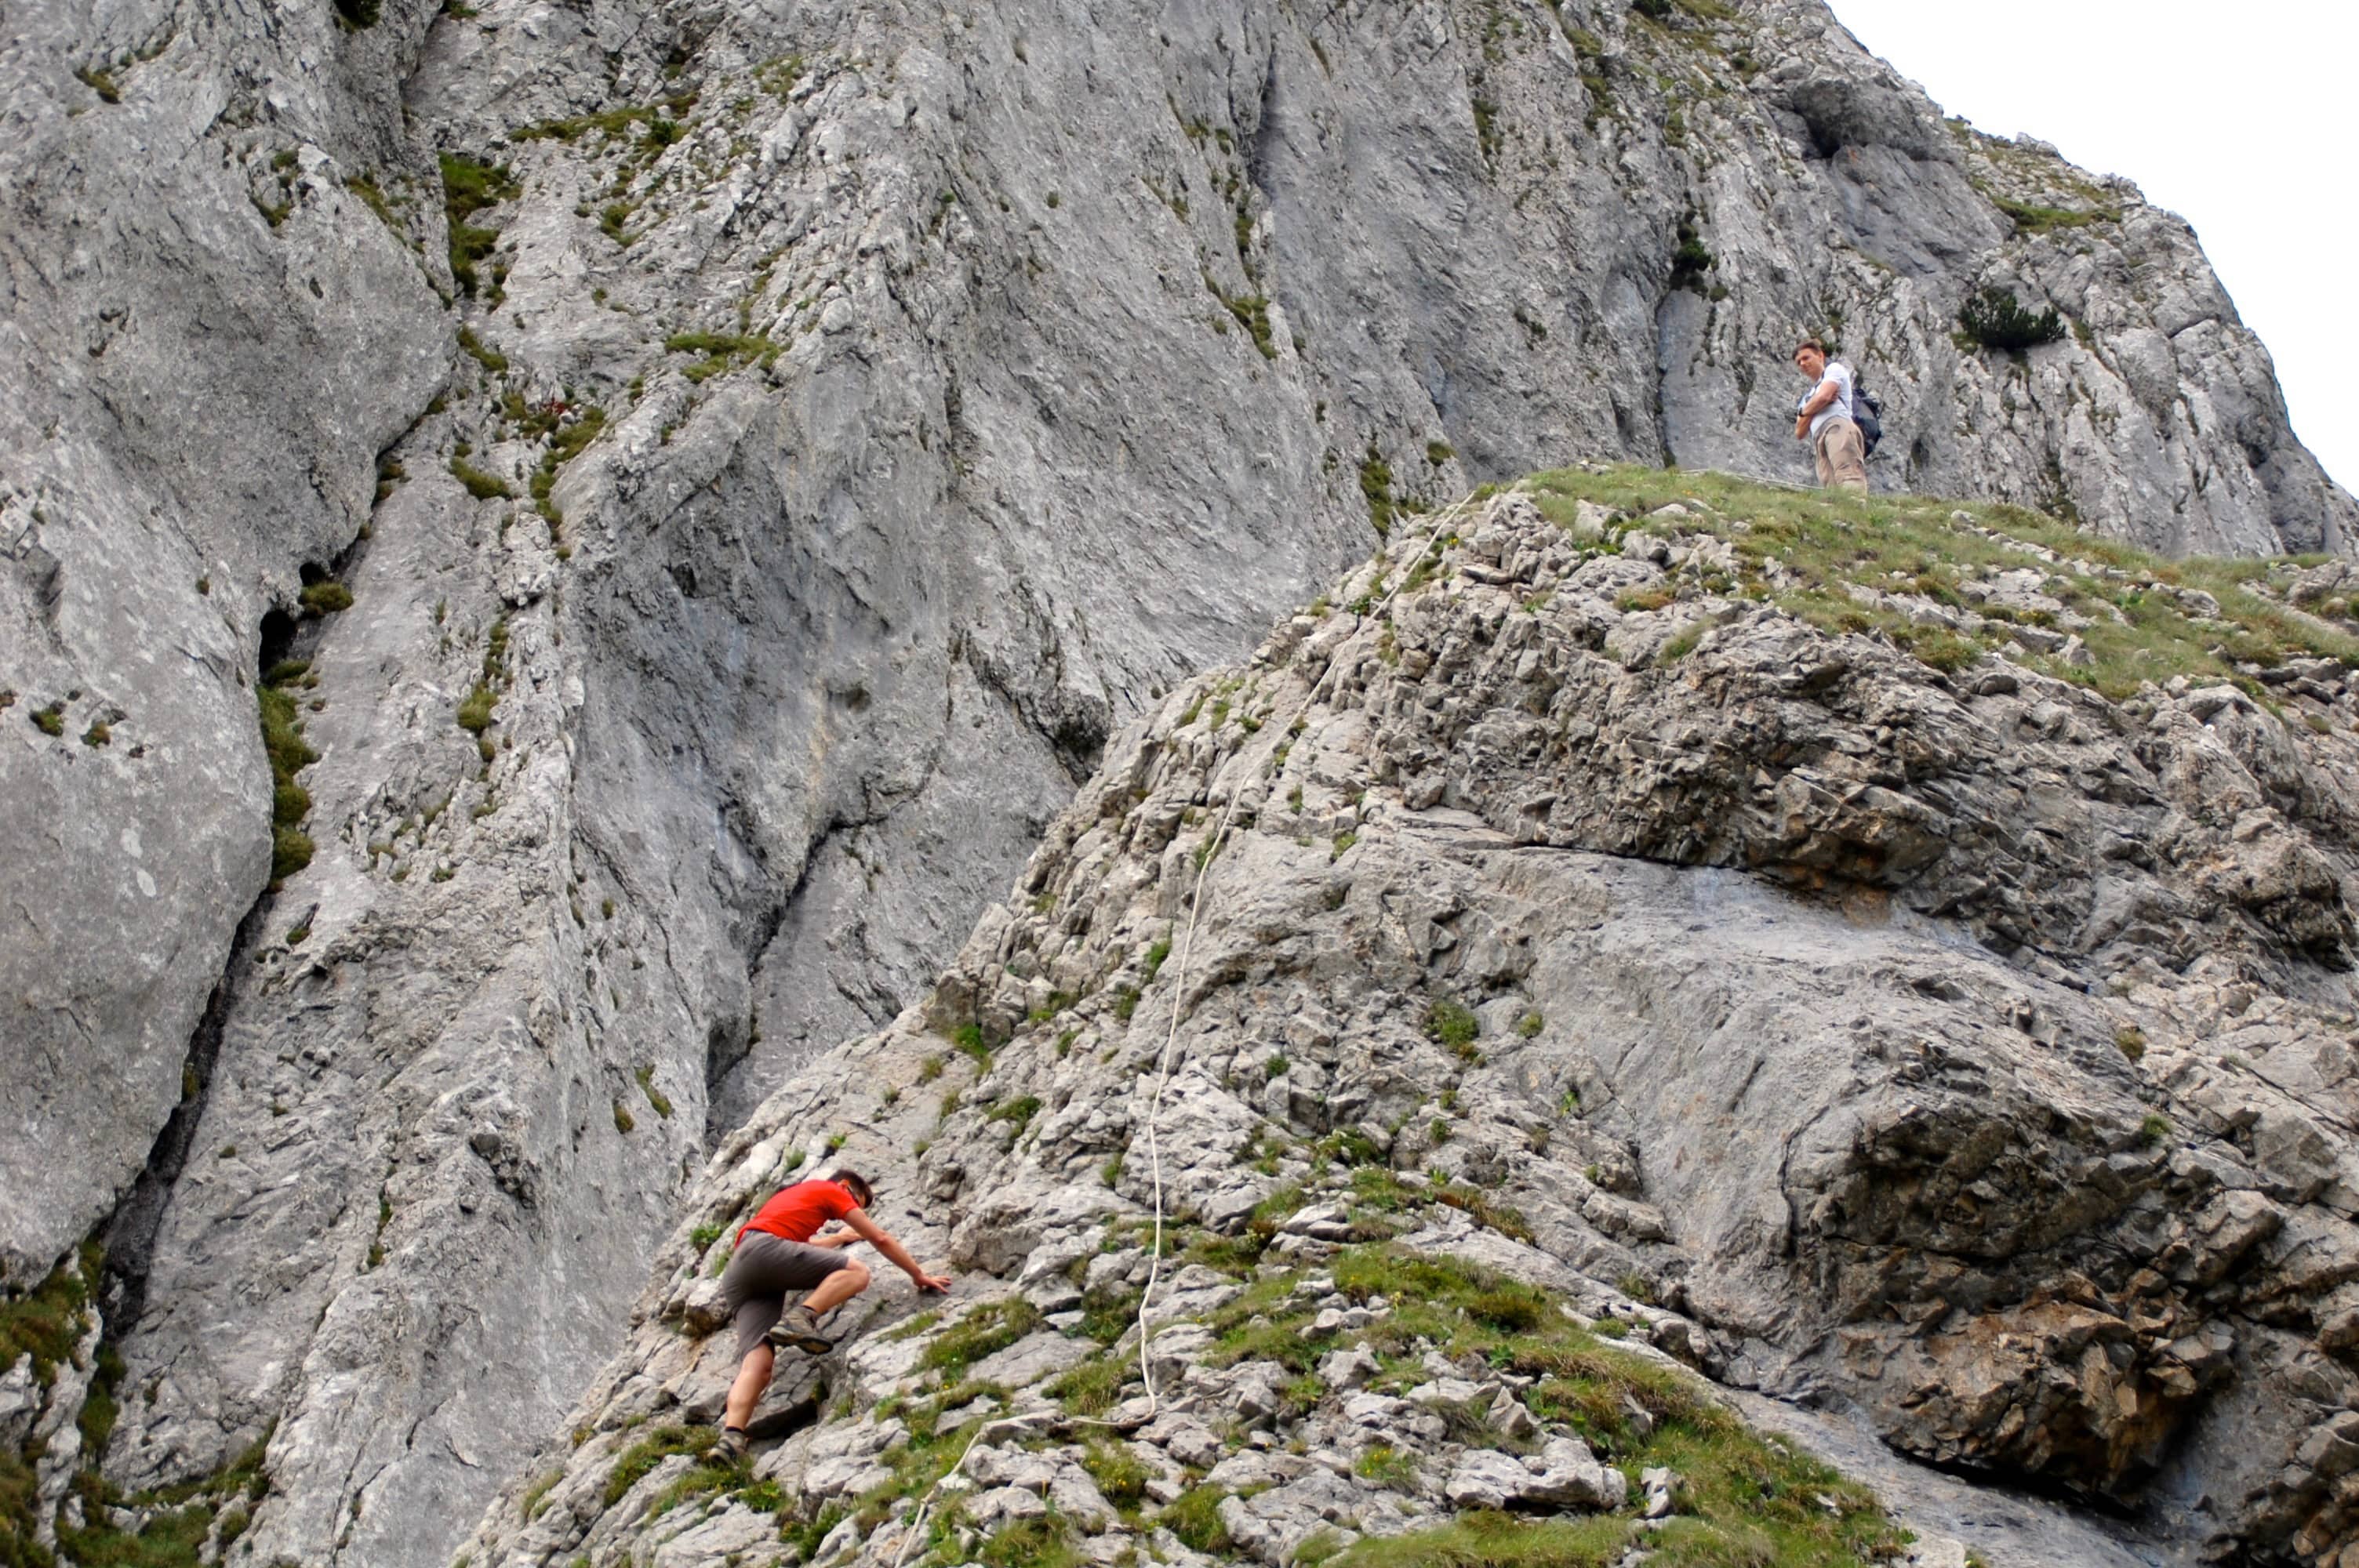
(931, 1282)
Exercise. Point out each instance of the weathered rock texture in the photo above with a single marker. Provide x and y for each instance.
(2082, 1219)
(191, 403)
(889, 402)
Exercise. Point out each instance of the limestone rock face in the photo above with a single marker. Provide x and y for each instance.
(2082, 1218)
(192, 397)
(770, 452)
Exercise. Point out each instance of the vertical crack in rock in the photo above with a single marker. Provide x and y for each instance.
(130, 1232)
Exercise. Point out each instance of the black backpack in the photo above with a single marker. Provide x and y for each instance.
(1867, 413)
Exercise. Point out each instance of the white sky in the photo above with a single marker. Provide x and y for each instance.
(2244, 120)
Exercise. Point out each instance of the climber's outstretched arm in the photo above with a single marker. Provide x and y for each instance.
(877, 1236)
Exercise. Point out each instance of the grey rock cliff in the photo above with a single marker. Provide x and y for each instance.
(891, 404)
(192, 398)
(2084, 1220)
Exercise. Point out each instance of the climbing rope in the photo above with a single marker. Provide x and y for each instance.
(916, 1528)
(1441, 522)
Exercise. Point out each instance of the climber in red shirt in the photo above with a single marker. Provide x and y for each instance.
(780, 1252)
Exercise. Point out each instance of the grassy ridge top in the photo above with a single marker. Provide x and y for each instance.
(1953, 581)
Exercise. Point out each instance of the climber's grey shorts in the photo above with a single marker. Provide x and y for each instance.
(763, 1271)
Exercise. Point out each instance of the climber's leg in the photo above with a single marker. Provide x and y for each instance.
(838, 1288)
(753, 1379)
(798, 1327)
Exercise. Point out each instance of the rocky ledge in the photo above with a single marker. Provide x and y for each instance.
(1887, 956)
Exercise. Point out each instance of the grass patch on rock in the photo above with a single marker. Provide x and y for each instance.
(1195, 1518)
(1919, 572)
(1485, 1540)
(469, 186)
(47, 1322)
(652, 1450)
(989, 1328)
(1747, 1498)
(282, 742)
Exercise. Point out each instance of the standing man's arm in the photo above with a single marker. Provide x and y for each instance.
(876, 1236)
(1824, 395)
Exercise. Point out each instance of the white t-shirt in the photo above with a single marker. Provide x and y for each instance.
(1838, 375)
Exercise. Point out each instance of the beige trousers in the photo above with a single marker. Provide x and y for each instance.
(1842, 458)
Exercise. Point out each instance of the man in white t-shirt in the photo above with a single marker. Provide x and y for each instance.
(1824, 419)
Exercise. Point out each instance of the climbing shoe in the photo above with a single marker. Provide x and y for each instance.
(797, 1329)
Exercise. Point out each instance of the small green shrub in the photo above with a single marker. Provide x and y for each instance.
(651, 1451)
(655, 1097)
(1351, 1146)
(45, 1323)
(993, 1327)
(1450, 1024)
(1506, 1220)
(1691, 260)
(283, 744)
(530, 1504)
(481, 486)
(469, 186)
(1995, 318)
(474, 714)
(1376, 487)
(325, 597)
(1509, 1307)
(1195, 1518)
(1018, 1111)
(721, 351)
(2030, 218)
(1095, 1386)
(474, 348)
(1121, 1475)
(1387, 1467)
(1055, 1003)
(1029, 1543)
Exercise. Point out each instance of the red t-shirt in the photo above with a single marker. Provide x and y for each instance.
(796, 1213)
